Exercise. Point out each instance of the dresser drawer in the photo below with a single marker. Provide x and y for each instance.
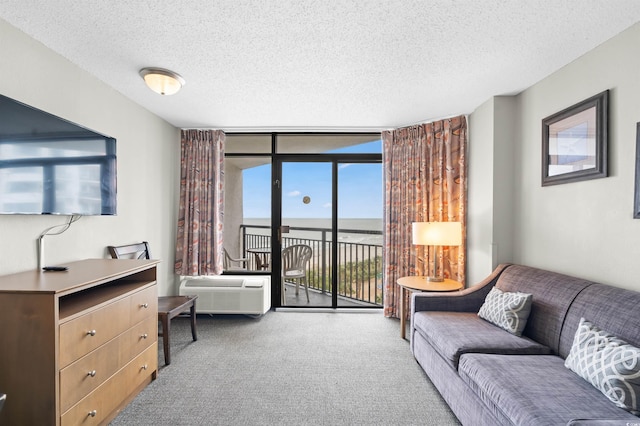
(140, 337)
(100, 403)
(81, 335)
(86, 374)
(144, 304)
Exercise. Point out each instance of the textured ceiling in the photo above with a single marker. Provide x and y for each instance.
(321, 64)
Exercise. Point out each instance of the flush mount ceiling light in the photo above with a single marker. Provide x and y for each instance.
(162, 81)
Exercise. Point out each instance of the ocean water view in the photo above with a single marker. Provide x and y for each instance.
(373, 225)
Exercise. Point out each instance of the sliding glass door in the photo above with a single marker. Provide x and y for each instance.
(306, 233)
(330, 239)
(359, 234)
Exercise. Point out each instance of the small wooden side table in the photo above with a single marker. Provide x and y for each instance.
(170, 307)
(420, 283)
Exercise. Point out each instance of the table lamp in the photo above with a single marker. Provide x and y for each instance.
(436, 234)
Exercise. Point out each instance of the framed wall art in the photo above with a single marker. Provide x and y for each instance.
(636, 197)
(574, 142)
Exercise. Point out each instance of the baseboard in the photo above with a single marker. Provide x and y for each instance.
(332, 310)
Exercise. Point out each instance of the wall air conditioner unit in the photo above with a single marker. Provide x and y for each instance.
(229, 294)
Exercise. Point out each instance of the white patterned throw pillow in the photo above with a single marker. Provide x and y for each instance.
(608, 363)
(507, 310)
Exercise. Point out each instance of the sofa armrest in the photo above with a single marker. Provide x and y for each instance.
(467, 300)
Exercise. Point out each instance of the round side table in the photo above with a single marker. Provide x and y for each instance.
(420, 283)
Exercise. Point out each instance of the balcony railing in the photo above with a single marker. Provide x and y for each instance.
(359, 263)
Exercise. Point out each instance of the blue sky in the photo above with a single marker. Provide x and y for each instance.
(359, 188)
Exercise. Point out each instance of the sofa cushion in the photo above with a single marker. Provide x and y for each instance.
(610, 308)
(507, 310)
(552, 293)
(455, 333)
(608, 363)
(535, 390)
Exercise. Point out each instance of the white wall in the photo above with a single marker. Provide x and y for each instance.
(584, 228)
(506, 127)
(492, 126)
(480, 193)
(148, 152)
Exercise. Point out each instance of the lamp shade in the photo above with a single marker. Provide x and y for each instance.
(436, 233)
(162, 81)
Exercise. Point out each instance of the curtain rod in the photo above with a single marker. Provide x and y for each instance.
(292, 129)
(431, 120)
(327, 129)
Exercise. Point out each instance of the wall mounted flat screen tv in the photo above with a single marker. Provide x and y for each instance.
(49, 165)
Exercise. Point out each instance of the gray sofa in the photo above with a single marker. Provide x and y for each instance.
(489, 376)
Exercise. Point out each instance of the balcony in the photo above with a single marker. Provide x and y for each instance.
(359, 260)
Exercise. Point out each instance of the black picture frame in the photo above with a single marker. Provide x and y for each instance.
(636, 197)
(575, 142)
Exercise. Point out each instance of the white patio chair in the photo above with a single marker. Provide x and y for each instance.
(294, 267)
(229, 261)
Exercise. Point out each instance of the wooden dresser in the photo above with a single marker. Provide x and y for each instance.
(77, 346)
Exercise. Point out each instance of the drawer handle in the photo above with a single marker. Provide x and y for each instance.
(91, 333)
(144, 367)
(144, 336)
(93, 413)
(92, 373)
(144, 305)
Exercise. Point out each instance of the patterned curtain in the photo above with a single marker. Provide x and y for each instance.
(199, 241)
(425, 181)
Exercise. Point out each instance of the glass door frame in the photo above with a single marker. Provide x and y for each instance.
(276, 215)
